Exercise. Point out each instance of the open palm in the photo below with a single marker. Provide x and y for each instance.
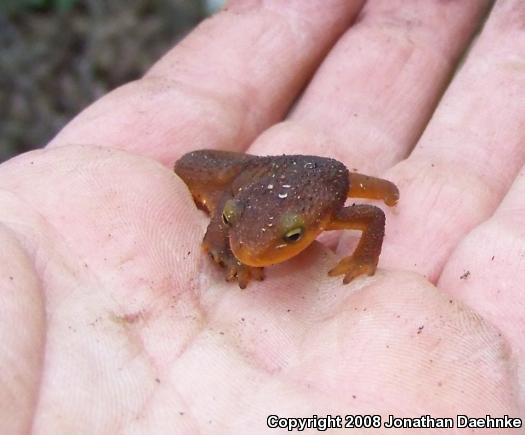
(112, 319)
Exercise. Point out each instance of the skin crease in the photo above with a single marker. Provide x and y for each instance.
(114, 322)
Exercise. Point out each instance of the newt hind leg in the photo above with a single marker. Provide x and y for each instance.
(364, 186)
(209, 173)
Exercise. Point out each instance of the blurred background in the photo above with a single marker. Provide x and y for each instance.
(58, 56)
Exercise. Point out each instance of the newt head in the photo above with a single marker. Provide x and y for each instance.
(274, 218)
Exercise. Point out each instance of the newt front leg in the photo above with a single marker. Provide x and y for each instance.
(371, 221)
(366, 218)
(216, 242)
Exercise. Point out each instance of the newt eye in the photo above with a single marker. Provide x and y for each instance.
(294, 235)
(229, 212)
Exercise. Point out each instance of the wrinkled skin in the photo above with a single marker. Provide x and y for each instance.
(112, 321)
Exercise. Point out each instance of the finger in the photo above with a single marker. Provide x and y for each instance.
(487, 269)
(232, 77)
(469, 154)
(374, 93)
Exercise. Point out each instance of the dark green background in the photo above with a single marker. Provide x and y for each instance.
(57, 56)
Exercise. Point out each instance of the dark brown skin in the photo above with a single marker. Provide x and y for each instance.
(265, 210)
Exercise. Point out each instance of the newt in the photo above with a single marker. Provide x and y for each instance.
(266, 209)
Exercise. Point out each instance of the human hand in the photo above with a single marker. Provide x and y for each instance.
(114, 321)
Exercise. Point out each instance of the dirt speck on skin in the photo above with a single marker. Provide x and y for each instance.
(128, 318)
(95, 322)
(465, 275)
(56, 62)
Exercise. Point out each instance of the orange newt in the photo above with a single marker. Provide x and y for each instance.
(265, 210)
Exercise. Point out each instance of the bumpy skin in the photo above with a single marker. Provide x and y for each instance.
(265, 210)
